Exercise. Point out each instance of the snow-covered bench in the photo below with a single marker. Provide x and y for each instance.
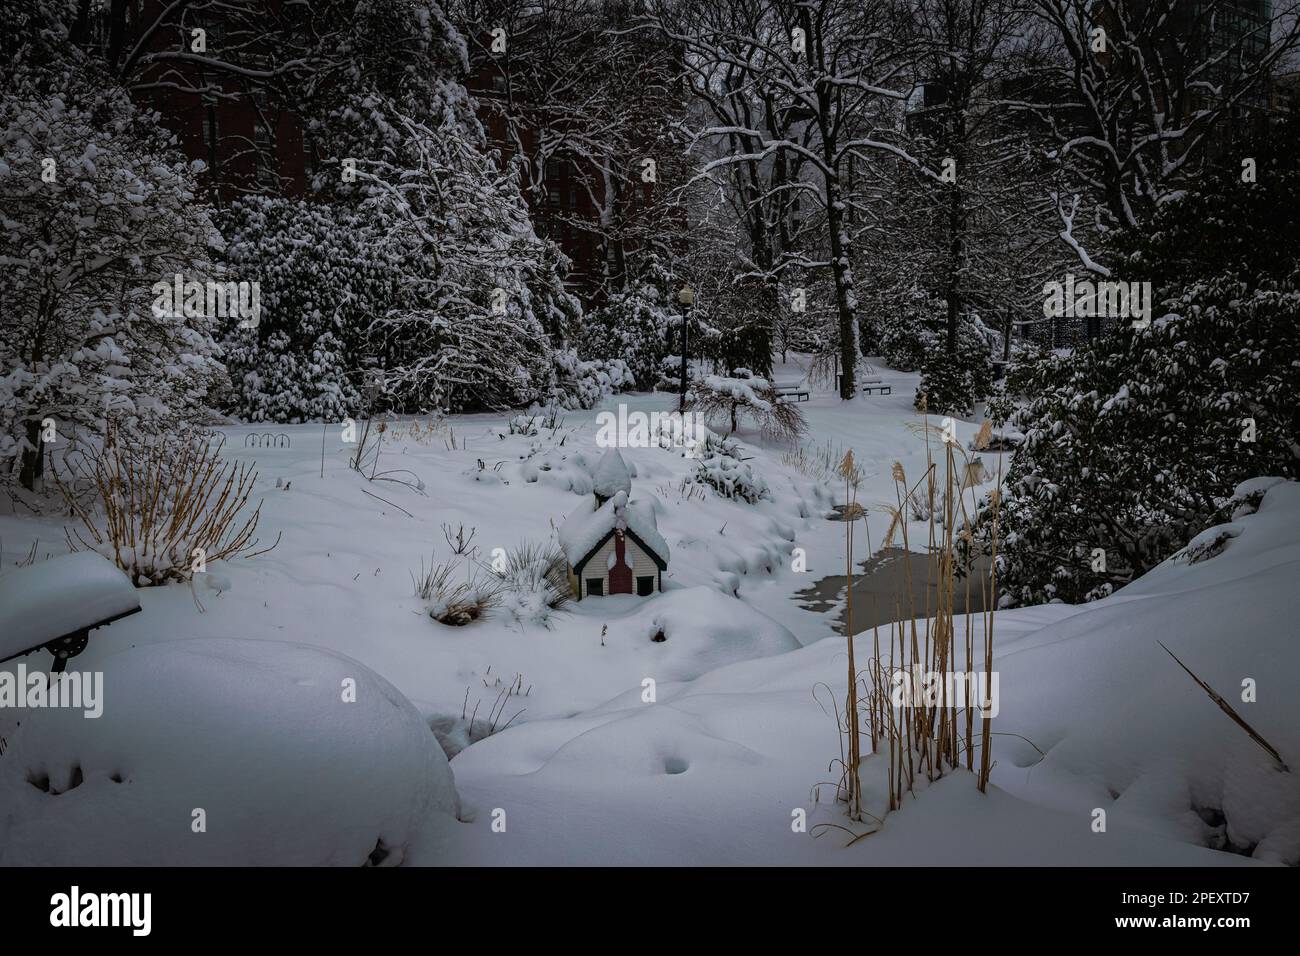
(871, 381)
(55, 604)
(788, 390)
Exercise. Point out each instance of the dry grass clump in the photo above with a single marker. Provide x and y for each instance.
(538, 571)
(169, 505)
(820, 462)
(451, 600)
(531, 581)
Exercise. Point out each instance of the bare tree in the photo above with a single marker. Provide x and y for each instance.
(1141, 92)
(796, 82)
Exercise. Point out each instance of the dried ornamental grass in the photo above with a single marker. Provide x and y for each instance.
(169, 505)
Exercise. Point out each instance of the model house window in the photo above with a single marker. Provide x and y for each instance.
(596, 587)
(645, 585)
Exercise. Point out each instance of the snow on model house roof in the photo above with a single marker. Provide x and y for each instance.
(58, 597)
(611, 475)
(584, 531)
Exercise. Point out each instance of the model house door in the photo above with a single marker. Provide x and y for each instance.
(620, 575)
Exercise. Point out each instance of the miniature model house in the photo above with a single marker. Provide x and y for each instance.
(613, 545)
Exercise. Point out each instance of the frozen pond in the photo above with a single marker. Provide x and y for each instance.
(883, 583)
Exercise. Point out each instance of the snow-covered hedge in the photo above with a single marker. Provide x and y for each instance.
(585, 384)
(1135, 444)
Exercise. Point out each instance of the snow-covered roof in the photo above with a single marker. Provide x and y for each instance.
(58, 597)
(584, 531)
(611, 475)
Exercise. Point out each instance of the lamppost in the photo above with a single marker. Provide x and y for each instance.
(686, 296)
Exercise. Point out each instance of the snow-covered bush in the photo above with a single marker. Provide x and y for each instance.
(721, 467)
(585, 384)
(324, 274)
(534, 583)
(632, 326)
(670, 374)
(97, 209)
(468, 335)
(952, 382)
(482, 301)
(170, 505)
(1136, 443)
(743, 393)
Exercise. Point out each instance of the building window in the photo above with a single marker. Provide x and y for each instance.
(645, 585)
(210, 128)
(499, 83)
(596, 586)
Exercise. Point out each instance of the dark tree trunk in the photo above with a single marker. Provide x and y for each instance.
(956, 250)
(843, 289)
(33, 460)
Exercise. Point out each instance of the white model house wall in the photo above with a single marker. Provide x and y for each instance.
(643, 565)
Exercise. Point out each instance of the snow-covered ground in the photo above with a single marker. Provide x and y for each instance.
(713, 772)
(589, 771)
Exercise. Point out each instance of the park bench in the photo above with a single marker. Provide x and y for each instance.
(788, 390)
(871, 381)
(55, 604)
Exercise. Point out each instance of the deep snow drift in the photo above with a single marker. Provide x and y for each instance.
(216, 752)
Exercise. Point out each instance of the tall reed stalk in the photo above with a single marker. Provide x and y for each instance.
(931, 735)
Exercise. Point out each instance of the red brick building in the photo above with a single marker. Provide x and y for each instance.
(252, 142)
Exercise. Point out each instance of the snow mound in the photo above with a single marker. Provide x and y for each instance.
(611, 475)
(257, 735)
(686, 632)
